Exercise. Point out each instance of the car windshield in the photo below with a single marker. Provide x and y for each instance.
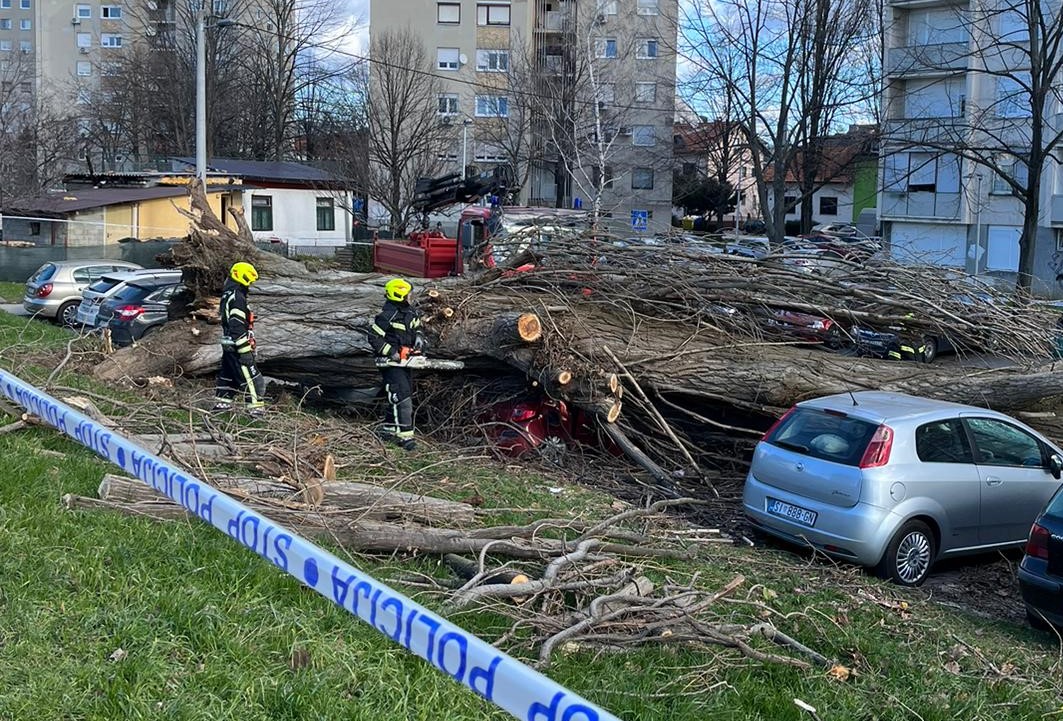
(103, 285)
(830, 435)
(133, 293)
(45, 272)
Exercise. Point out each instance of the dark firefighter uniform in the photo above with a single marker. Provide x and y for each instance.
(239, 374)
(394, 335)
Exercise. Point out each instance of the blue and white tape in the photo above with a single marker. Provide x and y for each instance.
(522, 691)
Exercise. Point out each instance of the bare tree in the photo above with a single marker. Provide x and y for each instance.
(38, 133)
(1010, 126)
(406, 139)
(787, 64)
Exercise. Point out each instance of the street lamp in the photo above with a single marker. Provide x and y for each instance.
(200, 7)
(464, 144)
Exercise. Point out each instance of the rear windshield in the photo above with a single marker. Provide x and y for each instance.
(821, 434)
(1055, 506)
(103, 285)
(133, 292)
(45, 272)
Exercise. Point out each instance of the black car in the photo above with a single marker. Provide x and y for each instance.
(137, 309)
(1041, 570)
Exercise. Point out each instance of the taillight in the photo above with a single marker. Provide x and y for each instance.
(878, 450)
(129, 312)
(778, 423)
(45, 290)
(1037, 546)
(523, 413)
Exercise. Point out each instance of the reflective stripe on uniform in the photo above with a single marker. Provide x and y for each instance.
(250, 384)
(386, 349)
(907, 349)
(378, 330)
(415, 323)
(895, 354)
(398, 326)
(237, 313)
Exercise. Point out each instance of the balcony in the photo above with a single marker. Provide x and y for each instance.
(552, 21)
(928, 60)
(924, 3)
(926, 130)
(934, 206)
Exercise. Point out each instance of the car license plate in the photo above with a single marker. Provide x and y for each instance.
(794, 513)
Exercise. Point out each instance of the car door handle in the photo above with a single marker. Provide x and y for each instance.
(993, 481)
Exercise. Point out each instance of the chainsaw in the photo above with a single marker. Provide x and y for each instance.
(408, 358)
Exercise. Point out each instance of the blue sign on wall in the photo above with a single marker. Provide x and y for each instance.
(640, 219)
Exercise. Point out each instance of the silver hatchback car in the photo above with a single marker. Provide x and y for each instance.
(895, 482)
(54, 291)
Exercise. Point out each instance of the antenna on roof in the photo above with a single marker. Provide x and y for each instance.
(851, 395)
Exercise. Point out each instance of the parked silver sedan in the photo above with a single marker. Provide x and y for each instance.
(54, 291)
(895, 482)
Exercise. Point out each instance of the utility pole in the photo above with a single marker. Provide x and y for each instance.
(464, 144)
(201, 92)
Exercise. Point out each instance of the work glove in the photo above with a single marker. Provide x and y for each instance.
(247, 359)
(420, 345)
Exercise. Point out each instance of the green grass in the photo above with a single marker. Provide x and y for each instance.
(208, 628)
(11, 292)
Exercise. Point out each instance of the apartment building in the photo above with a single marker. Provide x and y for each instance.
(596, 77)
(954, 76)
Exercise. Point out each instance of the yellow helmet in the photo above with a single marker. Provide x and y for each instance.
(397, 290)
(243, 273)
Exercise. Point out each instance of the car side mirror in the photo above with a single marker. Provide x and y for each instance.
(1055, 465)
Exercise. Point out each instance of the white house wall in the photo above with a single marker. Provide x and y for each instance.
(295, 216)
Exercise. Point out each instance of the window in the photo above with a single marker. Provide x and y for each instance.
(84, 68)
(648, 7)
(84, 97)
(111, 70)
(83, 11)
(490, 154)
(492, 61)
(24, 4)
(1013, 27)
(921, 172)
(492, 14)
(35, 228)
(25, 46)
(448, 58)
(1015, 169)
(789, 202)
(643, 135)
(828, 205)
(642, 178)
(5, 46)
(111, 40)
(943, 442)
(5, 23)
(1002, 444)
(492, 106)
(606, 93)
(607, 7)
(84, 40)
(815, 433)
(448, 104)
(645, 92)
(326, 214)
(111, 12)
(596, 176)
(25, 24)
(5, 4)
(261, 212)
(647, 48)
(449, 13)
(605, 48)
(26, 86)
(1013, 98)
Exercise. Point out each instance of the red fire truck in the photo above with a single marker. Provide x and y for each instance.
(428, 253)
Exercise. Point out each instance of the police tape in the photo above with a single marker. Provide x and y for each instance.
(506, 682)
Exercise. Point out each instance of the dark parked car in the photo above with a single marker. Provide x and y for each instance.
(137, 309)
(1041, 570)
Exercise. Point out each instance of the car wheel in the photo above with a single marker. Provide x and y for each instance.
(68, 313)
(909, 555)
(930, 349)
(835, 339)
(552, 450)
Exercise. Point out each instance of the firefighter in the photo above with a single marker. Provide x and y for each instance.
(239, 374)
(394, 337)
